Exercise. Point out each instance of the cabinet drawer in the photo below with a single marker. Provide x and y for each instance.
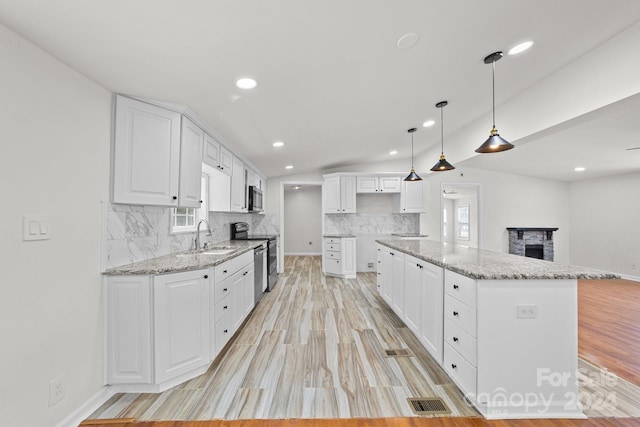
(222, 308)
(461, 341)
(460, 370)
(460, 287)
(460, 314)
(332, 241)
(332, 246)
(228, 268)
(221, 290)
(223, 331)
(332, 255)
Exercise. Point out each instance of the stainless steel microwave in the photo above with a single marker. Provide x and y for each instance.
(255, 199)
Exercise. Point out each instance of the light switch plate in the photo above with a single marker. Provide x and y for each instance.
(35, 227)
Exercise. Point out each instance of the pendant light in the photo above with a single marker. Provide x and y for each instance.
(413, 176)
(495, 142)
(442, 164)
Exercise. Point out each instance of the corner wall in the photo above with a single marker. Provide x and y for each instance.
(56, 127)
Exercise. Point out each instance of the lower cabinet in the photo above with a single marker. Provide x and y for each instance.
(339, 256)
(165, 329)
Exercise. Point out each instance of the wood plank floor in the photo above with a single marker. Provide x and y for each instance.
(609, 325)
(312, 352)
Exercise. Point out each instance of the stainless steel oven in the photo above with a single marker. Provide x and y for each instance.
(240, 231)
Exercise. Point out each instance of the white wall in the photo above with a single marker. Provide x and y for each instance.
(55, 162)
(506, 200)
(605, 224)
(303, 221)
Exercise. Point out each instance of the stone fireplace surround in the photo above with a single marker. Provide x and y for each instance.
(522, 237)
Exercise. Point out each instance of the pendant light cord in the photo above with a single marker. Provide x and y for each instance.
(493, 81)
(441, 131)
(412, 150)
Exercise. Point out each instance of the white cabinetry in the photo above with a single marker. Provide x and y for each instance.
(219, 189)
(238, 188)
(155, 161)
(413, 197)
(339, 194)
(385, 273)
(181, 317)
(217, 156)
(339, 256)
(378, 184)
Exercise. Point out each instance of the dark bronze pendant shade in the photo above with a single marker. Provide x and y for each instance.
(495, 143)
(413, 176)
(442, 164)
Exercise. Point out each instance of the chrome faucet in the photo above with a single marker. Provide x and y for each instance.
(198, 232)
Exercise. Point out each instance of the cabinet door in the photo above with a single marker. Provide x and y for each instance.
(387, 275)
(146, 154)
(348, 253)
(211, 151)
(348, 194)
(190, 165)
(331, 194)
(413, 198)
(181, 323)
(390, 184)
(128, 330)
(432, 298)
(219, 189)
(397, 283)
(332, 266)
(413, 304)
(248, 286)
(367, 184)
(237, 299)
(238, 187)
(226, 161)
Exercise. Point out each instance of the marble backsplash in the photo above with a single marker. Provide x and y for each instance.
(135, 233)
(368, 224)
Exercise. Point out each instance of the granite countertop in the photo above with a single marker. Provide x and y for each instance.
(184, 261)
(489, 265)
(338, 236)
(409, 235)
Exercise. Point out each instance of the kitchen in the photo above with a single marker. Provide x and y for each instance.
(63, 169)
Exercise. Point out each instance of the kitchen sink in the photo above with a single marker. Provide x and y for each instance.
(214, 250)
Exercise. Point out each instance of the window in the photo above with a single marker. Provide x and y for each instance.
(444, 222)
(463, 222)
(186, 219)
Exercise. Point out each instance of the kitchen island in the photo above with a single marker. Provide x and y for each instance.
(504, 327)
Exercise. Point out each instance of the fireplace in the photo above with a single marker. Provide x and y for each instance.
(533, 242)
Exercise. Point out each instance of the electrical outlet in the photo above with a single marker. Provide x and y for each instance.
(527, 311)
(369, 265)
(56, 390)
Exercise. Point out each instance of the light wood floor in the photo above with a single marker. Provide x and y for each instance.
(609, 325)
(312, 349)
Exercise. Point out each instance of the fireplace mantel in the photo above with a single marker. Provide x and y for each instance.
(538, 240)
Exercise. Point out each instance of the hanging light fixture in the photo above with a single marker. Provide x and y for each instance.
(442, 164)
(495, 142)
(413, 176)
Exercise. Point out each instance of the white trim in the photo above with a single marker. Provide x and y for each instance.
(478, 214)
(629, 277)
(303, 254)
(87, 408)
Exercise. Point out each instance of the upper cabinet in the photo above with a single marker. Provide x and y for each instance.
(238, 187)
(154, 162)
(339, 193)
(413, 197)
(217, 156)
(378, 184)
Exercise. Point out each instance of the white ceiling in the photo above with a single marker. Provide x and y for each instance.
(332, 83)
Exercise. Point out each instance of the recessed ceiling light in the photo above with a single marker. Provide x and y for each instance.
(520, 48)
(579, 169)
(393, 152)
(428, 123)
(278, 144)
(407, 40)
(297, 187)
(246, 83)
(288, 167)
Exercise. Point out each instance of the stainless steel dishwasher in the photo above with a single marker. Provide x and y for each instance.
(259, 256)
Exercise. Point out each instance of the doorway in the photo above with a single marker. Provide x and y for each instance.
(460, 214)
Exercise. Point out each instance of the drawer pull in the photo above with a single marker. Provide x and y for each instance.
(245, 273)
(225, 307)
(226, 331)
(206, 276)
(455, 313)
(453, 365)
(225, 289)
(224, 271)
(455, 339)
(455, 286)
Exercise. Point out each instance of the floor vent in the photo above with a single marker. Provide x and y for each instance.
(428, 406)
(398, 352)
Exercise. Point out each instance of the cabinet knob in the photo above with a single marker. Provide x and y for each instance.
(455, 286)
(175, 197)
(200, 201)
(455, 339)
(454, 366)
(206, 276)
(222, 167)
(225, 289)
(455, 313)
(391, 253)
(225, 307)
(226, 331)
(224, 271)
(245, 273)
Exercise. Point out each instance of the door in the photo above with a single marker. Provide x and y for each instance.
(211, 151)
(397, 283)
(238, 186)
(146, 154)
(191, 148)
(331, 194)
(413, 303)
(432, 296)
(413, 197)
(348, 194)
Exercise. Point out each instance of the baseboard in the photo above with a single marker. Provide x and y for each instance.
(88, 407)
(629, 277)
(303, 254)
